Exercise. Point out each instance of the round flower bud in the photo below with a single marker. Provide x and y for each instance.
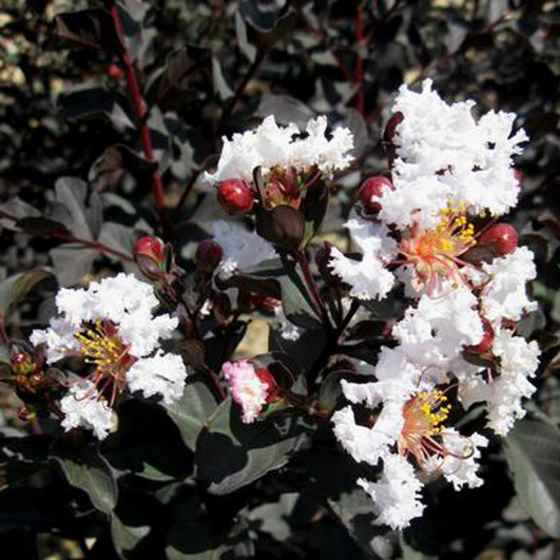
(502, 238)
(150, 247)
(487, 339)
(114, 71)
(235, 196)
(371, 190)
(208, 255)
(149, 254)
(518, 176)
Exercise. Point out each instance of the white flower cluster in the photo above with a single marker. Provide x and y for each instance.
(269, 146)
(448, 167)
(111, 325)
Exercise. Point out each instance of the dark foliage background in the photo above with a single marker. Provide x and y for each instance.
(208, 68)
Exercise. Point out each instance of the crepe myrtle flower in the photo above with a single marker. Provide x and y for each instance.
(406, 432)
(287, 160)
(110, 325)
(251, 388)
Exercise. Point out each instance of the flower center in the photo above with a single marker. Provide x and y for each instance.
(423, 415)
(102, 346)
(434, 253)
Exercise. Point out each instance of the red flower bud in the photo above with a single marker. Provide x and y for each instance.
(272, 388)
(150, 247)
(502, 238)
(372, 189)
(114, 71)
(487, 339)
(235, 196)
(518, 175)
(208, 255)
(149, 254)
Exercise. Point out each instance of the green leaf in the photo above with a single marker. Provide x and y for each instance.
(199, 539)
(78, 209)
(147, 444)
(314, 208)
(533, 454)
(249, 50)
(16, 287)
(94, 29)
(87, 470)
(132, 520)
(86, 101)
(72, 262)
(191, 412)
(318, 471)
(231, 454)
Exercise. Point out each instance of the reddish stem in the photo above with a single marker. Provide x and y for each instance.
(314, 291)
(139, 107)
(71, 239)
(93, 244)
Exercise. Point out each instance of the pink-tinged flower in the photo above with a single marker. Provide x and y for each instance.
(251, 389)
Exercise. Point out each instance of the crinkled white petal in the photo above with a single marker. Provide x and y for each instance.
(504, 393)
(329, 155)
(247, 390)
(505, 295)
(433, 333)
(59, 339)
(364, 443)
(397, 496)
(82, 407)
(242, 249)
(444, 155)
(460, 467)
(519, 361)
(270, 145)
(368, 278)
(162, 374)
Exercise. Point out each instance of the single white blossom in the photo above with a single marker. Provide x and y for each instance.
(111, 325)
(269, 146)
